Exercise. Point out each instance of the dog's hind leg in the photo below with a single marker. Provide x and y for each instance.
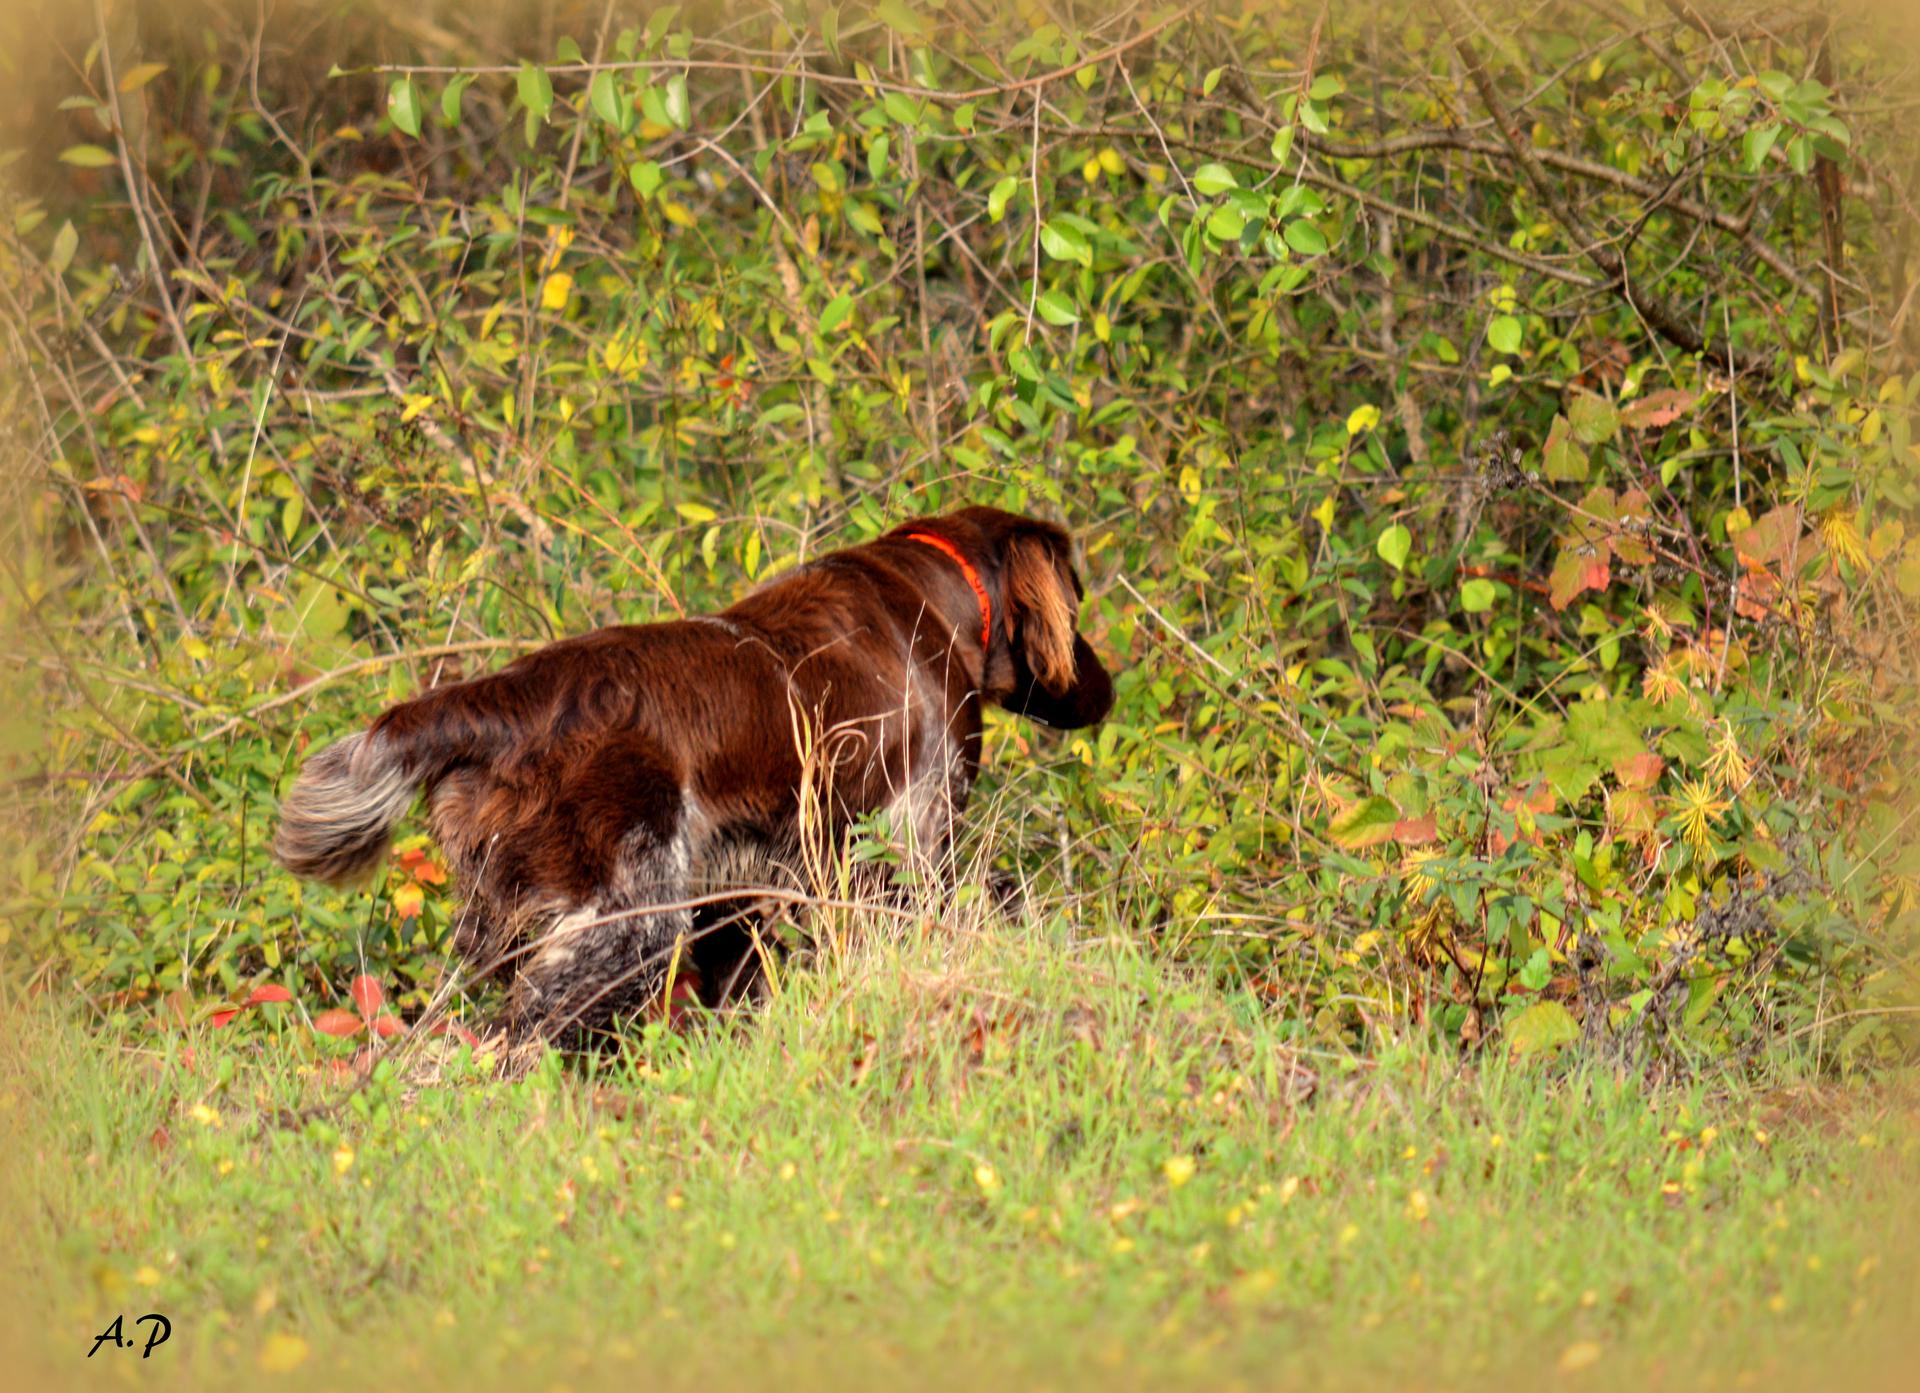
(622, 913)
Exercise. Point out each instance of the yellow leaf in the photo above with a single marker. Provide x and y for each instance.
(987, 1178)
(408, 900)
(1363, 418)
(1579, 1356)
(342, 1160)
(416, 404)
(138, 77)
(1178, 1170)
(1324, 513)
(624, 355)
(556, 290)
(282, 1353)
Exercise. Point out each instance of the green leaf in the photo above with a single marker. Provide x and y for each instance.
(1305, 238)
(1565, 461)
(1503, 334)
(604, 96)
(1757, 143)
(536, 91)
(1477, 595)
(1064, 243)
(65, 243)
(997, 198)
(450, 99)
(87, 156)
(899, 17)
(836, 312)
(877, 156)
(679, 112)
(1543, 1026)
(1593, 418)
(1394, 545)
(1366, 823)
(1226, 223)
(1056, 308)
(646, 178)
(403, 105)
(1282, 144)
(902, 109)
(1211, 179)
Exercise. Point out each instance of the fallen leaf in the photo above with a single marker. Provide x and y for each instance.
(367, 995)
(282, 1353)
(1579, 1356)
(338, 1023)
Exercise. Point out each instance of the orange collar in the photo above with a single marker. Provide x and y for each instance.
(939, 543)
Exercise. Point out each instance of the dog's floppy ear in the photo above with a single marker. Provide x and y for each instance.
(1041, 600)
(1057, 678)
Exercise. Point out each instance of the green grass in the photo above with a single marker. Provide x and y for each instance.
(955, 1156)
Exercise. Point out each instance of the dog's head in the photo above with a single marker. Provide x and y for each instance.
(1038, 664)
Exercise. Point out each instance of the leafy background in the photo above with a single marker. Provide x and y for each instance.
(1490, 439)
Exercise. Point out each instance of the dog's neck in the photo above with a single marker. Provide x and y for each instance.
(972, 575)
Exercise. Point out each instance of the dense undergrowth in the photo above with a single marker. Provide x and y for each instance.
(1491, 443)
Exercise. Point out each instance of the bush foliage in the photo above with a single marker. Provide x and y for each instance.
(1490, 438)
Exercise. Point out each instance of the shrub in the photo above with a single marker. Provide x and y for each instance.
(1490, 438)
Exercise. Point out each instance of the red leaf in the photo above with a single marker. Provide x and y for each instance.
(225, 1017)
(367, 995)
(1536, 798)
(1580, 566)
(386, 1027)
(338, 1023)
(1638, 771)
(1657, 409)
(455, 1029)
(1416, 831)
(271, 992)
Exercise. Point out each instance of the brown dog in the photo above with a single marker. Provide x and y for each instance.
(587, 791)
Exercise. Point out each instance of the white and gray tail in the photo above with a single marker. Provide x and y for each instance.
(338, 817)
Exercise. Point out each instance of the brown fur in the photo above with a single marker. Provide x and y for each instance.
(585, 790)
